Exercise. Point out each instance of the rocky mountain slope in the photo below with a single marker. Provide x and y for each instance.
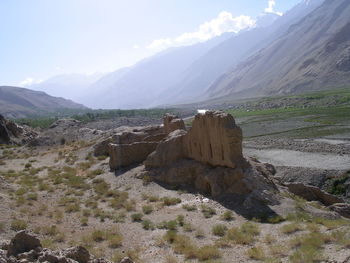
(142, 83)
(225, 56)
(20, 102)
(183, 74)
(70, 86)
(314, 54)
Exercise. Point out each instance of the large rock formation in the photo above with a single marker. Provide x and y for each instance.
(209, 158)
(214, 139)
(130, 147)
(11, 133)
(134, 145)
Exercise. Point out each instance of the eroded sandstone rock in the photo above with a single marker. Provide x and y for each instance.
(128, 154)
(172, 123)
(209, 158)
(214, 138)
(129, 135)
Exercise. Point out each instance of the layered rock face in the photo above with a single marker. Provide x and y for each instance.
(133, 146)
(209, 159)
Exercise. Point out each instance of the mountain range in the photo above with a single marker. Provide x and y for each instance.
(313, 54)
(305, 49)
(20, 102)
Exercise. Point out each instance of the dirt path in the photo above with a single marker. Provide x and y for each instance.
(280, 157)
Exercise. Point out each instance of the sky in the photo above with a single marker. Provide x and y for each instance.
(43, 38)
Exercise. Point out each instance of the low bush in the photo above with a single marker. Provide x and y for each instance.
(219, 230)
(18, 225)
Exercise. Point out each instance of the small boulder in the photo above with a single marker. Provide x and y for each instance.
(22, 242)
(79, 254)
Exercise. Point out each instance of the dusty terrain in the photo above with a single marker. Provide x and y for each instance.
(68, 197)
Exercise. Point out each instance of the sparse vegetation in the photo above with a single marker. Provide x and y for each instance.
(219, 230)
(18, 224)
(208, 211)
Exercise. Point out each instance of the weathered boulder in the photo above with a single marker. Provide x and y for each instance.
(313, 193)
(172, 123)
(128, 154)
(22, 242)
(342, 209)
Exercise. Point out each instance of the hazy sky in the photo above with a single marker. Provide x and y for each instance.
(43, 38)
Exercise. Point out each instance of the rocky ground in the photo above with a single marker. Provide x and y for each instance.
(58, 190)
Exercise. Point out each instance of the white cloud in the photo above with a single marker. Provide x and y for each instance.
(136, 46)
(271, 4)
(224, 22)
(29, 81)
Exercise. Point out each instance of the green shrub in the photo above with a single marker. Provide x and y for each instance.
(244, 235)
(189, 208)
(291, 228)
(169, 201)
(115, 240)
(181, 220)
(148, 225)
(256, 253)
(147, 209)
(219, 230)
(98, 236)
(208, 253)
(227, 216)
(18, 225)
(137, 217)
(207, 211)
